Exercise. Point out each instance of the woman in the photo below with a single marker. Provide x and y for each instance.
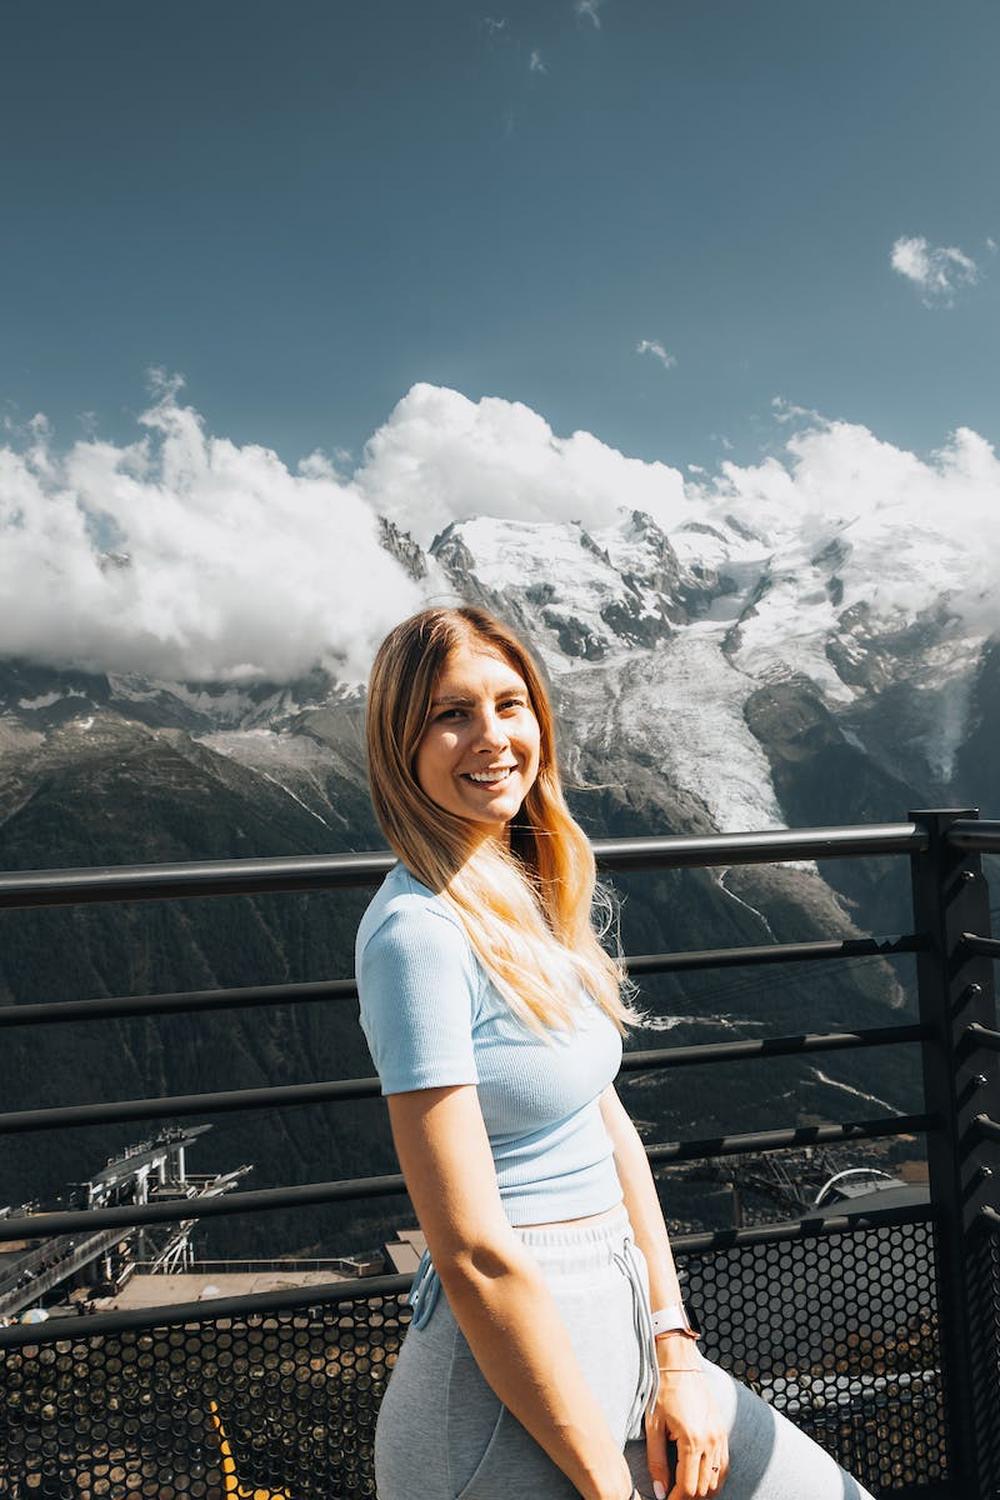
(548, 1353)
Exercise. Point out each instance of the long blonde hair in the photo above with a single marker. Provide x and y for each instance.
(529, 911)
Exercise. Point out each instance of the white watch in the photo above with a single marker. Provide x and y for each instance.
(673, 1317)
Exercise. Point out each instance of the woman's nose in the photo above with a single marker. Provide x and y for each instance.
(490, 729)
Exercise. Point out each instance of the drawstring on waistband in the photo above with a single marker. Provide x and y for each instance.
(424, 1291)
(649, 1374)
(426, 1288)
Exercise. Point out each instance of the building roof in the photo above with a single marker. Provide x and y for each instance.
(892, 1195)
(157, 1290)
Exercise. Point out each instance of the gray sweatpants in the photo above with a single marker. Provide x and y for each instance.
(443, 1434)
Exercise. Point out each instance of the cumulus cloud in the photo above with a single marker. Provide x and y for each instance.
(535, 63)
(938, 271)
(185, 556)
(588, 10)
(441, 457)
(656, 349)
(905, 521)
(188, 557)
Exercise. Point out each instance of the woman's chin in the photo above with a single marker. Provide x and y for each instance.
(493, 819)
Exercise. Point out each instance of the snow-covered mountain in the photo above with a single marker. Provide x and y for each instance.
(714, 676)
(718, 657)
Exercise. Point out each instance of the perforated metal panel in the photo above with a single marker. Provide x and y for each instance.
(130, 1415)
(839, 1332)
(982, 1269)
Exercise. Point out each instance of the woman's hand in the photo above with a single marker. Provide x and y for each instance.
(685, 1412)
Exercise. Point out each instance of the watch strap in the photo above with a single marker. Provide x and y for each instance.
(673, 1318)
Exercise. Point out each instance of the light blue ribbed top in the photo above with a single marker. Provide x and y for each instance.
(432, 1016)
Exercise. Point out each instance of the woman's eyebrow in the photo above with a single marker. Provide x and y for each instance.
(466, 702)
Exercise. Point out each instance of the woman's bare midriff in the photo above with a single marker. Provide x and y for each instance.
(587, 1219)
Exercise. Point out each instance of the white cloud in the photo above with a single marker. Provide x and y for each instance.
(236, 567)
(902, 521)
(656, 349)
(535, 64)
(937, 270)
(441, 457)
(787, 411)
(494, 24)
(991, 244)
(589, 9)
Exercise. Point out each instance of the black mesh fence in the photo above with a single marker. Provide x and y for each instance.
(982, 1271)
(839, 1331)
(283, 1404)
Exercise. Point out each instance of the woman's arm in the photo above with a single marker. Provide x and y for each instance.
(643, 1204)
(684, 1410)
(495, 1289)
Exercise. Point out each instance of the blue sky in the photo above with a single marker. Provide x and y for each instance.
(308, 207)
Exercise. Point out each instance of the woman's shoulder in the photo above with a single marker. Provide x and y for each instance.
(403, 903)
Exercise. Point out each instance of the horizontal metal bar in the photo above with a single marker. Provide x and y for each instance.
(772, 846)
(802, 1229)
(45, 1225)
(288, 1095)
(981, 834)
(324, 872)
(800, 1135)
(106, 1008)
(776, 1046)
(103, 1008)
(776, 953)
(935, 1489)
(971, 942)
(256, 1304)
(212, 877)
(176, 1210)
(176, 1105)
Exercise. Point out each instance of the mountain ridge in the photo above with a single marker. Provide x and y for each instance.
(681, 708)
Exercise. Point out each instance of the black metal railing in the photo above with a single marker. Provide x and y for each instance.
(877, 1331)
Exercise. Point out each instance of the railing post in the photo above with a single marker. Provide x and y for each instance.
(961, 1082)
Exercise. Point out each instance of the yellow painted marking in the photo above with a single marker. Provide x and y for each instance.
(231, 1483)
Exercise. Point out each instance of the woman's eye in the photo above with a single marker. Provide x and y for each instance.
(507, 703)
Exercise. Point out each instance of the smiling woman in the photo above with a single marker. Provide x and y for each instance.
(534, 1363)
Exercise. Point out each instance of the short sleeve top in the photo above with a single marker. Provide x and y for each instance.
(433, 1017)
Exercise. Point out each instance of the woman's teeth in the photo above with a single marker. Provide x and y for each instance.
(489, 779)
